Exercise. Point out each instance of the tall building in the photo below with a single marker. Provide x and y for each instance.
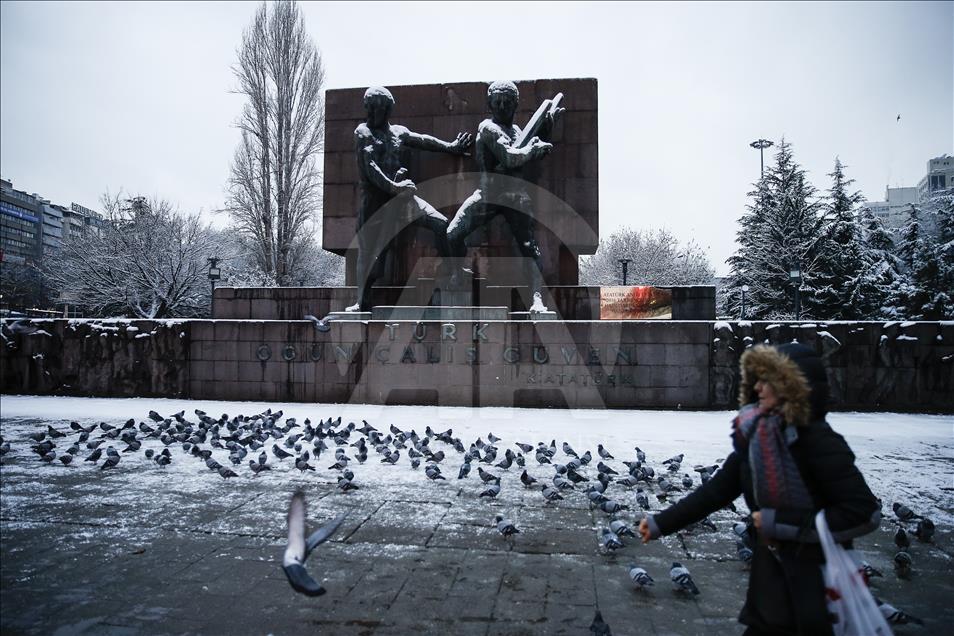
(939, 177)
(895, 207)
(31, 230)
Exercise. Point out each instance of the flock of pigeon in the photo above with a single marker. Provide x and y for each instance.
(248, 440)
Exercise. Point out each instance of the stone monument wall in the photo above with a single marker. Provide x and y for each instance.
(586, 364)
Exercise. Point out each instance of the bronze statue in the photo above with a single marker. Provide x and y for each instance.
(502, 148)
(378, 147)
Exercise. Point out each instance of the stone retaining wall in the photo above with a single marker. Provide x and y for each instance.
(586, 364)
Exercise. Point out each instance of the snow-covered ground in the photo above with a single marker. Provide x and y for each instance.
(904, 457)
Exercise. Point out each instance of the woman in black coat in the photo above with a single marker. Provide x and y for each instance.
(788, 464)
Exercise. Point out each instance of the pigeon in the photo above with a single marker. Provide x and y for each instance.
(487, 477)
(279, 453)
(640, 577)
(640, 455)
(682, 580)
(619, 527)
(66, 458)
(869, 571)
(611, 507)
(603, 468)
(895, 616)
(599, 627)
(903, 512)
(111, 462)
(603, 452)
(227, 472)
(743, 551)
(433, 472)
(492, 491)
(95, 455)
(674, 460)
(686, 482)
(596, 497)
(568, 450)
(551, 494)
(299, 548)
(901, 539)
(586, 457)
(642, 500)
(258, 467)
(392, 458)
(505, 526)
(464, 470)
(526, 479)
(493, 438)
(526, 448)
(303, 465)
(321, 324)
(609, 539)
(924, 530)
(902, 564)
(53, 433)
(345, 484)
(416, 463)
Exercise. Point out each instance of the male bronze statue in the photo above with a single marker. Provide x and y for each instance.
(502, 148)
(387, 202)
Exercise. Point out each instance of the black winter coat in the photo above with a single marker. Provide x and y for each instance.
(786, 592)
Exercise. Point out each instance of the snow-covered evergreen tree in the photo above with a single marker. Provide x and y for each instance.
(783, 228)
(879, 276)
(841, 288)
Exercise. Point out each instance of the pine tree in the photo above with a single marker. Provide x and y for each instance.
(879, 276)
(840, 288)
(782, 229)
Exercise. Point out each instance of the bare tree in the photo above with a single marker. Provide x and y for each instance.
(656, 258)
(274, 186)
(147, 261)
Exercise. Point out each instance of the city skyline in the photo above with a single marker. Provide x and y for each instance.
(95, 98)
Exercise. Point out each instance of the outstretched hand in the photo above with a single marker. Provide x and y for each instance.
(644, 531)
(462, 143)
(406, 187)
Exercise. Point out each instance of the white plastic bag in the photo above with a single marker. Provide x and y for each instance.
(849, 600)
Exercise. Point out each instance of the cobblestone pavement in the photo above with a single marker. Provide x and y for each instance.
(140, 550)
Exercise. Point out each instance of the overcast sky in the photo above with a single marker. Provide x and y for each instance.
(135, 96)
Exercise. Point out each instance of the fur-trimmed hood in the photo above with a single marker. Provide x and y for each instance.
(795, 373)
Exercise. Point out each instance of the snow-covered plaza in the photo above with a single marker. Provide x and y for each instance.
(144, 548)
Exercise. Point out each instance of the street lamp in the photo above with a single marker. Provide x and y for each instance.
(745, 288)
(761, 145)
(214, 274)
(625, 263)
(795, 275)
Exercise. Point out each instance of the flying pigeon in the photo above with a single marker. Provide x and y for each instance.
(682, 580)
(321, 324)
(640, 577)
(299, 548)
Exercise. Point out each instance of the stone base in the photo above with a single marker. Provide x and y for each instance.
(350, 315)
(533, 315)
(391, 312)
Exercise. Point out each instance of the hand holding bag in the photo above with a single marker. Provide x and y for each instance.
(849, 600)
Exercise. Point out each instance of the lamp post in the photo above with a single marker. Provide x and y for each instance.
(745, 288)
(795, 275)
(625, 263)
(761, 145)
(214, 274)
